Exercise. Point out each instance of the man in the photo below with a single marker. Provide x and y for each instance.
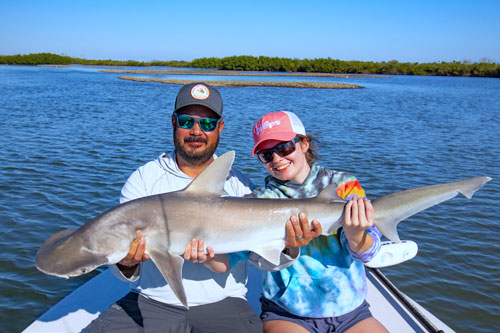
(216, 300)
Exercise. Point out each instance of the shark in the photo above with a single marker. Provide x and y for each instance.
(202, 210)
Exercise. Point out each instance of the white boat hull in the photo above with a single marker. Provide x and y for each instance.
(77, 310)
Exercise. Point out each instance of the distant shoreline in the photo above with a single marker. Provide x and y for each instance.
(287, 84)
(266, 64)
(233, 73)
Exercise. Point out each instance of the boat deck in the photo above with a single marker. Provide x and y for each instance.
(393, 309)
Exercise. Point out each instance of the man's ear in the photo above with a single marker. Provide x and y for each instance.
(221, 125)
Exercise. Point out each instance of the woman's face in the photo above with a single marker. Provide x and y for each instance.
(291, 167)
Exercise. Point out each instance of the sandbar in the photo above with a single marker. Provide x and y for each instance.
(229, 83)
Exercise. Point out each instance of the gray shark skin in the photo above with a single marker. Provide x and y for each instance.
(228, 224)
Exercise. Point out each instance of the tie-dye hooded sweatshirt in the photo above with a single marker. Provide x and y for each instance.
(328, 279)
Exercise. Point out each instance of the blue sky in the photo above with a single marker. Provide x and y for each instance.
(407, 31)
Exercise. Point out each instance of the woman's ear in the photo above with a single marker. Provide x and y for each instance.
(304, 143)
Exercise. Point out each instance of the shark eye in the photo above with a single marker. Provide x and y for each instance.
(83, 270)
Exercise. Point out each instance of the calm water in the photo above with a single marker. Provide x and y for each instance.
(71, 136)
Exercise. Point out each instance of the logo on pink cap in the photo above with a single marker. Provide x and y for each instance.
(266, 125)
(281, 125)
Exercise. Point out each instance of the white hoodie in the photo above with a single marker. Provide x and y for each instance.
(202, 286)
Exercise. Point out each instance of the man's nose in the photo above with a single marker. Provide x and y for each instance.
(196, 130)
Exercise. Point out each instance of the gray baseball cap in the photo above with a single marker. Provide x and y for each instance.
(199, 93)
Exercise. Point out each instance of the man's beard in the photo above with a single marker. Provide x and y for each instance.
(195, 158)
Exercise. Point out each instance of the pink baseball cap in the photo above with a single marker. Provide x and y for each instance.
(281, 125)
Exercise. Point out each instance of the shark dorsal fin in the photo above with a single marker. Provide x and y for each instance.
(329, 193)
(212, 179)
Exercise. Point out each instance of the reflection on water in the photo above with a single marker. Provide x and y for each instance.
(72, 135)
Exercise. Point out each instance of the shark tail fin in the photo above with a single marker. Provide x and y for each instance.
(469, 186)
(393, 208)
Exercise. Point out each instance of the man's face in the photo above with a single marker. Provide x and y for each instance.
(194, 145)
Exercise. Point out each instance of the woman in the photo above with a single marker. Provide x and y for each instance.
(324, 290)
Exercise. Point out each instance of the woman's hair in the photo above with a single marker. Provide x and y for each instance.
(311, 152)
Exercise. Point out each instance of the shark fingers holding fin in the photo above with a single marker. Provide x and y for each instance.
(168, 222)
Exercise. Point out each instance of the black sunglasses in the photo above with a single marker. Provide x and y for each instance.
(187, 122)
(282, 149)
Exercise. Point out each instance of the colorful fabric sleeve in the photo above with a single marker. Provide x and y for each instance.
(367, 255)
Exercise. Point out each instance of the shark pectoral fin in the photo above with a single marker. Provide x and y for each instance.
(271, 251)
(170, 266)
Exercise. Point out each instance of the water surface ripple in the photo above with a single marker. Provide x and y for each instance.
(72, 135)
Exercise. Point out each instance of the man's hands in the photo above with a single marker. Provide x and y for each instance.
(298, 231)
(359, 215)
(195, 252)
(136, 254)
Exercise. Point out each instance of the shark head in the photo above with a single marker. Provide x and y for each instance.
(56, 256)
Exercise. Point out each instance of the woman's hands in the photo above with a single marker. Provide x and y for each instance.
(298, 231)
(359, 215)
